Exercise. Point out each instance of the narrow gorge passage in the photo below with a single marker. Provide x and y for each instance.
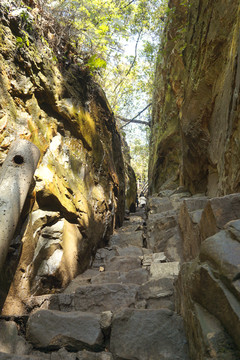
(122, 307)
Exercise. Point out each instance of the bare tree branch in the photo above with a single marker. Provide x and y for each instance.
(132, 64)
(130, 2)
(133, 119)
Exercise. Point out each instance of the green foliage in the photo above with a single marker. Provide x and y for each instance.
(99, 32)
(139, 155)
(21, 41)
(95, 63)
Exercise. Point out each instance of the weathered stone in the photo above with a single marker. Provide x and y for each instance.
(98, 298)
(49, 329)
(81, 176)
(102, 256)
(157, 293)
(156, 288)
(127, 239)
(159, 257)
(87, 355)
(123, 263)
(82, 279)
(198, 283)
(148, 334)
(63, 354)
(4, 356)
(135, 276)
(223, 253)
(107, 277)
(217, 213)
(15, 180)
(189, 228)
(212, 339)
(234, 228)
(10, 341)
(155, 257)
(163, 235)
(129, 251)
(162, 270)
(158, 204)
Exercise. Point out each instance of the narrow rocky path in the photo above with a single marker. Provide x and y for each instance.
(120, 308)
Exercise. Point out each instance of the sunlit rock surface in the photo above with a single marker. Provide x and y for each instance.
(80, 184)
(195, 126)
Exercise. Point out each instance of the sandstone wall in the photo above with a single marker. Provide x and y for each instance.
(195, 129)
(80, 184)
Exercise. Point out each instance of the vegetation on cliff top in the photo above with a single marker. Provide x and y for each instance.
(116, 41)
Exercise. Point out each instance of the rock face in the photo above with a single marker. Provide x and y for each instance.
(105, 313)
(195, 127)
(80, 182)
(207, 288)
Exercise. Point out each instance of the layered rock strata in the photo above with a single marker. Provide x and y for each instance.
(80, 184)
(195, 126)
(120, 308)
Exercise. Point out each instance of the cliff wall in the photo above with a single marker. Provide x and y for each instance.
(195, 127)
(80, 183)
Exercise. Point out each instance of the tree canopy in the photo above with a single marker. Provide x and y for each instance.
(117, 40)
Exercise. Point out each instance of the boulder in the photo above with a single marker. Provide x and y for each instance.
(162, 270)
(97, 298)
(48, 329)
(123, 263)
(148, 334)
(10, 341)
(217, 213)
(127, 239)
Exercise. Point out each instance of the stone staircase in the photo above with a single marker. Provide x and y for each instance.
(120, 308)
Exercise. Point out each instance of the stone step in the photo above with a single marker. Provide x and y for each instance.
(148, 334)
(95, 298)
(163, 235)
(127, 239)
(165, 270)
(104, 255)
(50, 330)
(135, 334)
(61, 354)
(134, 276)
(6, 356)
(157, 294)
(123, 263)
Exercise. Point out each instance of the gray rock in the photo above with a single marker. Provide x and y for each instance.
(156, 288)
(234, 228)
(162, 270)
(10, 341)
(98, 298)
(158, 293)
(127, 239)
(123, 263)
(223, 253)
(158, 204)
(102, 256)
(148, 334)
(5, 356)
(82, 279)
(87, 355)
(129, 251)
(106, 320)
(110, 277)
(63, 354)
(50, 329)
(135, 276)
